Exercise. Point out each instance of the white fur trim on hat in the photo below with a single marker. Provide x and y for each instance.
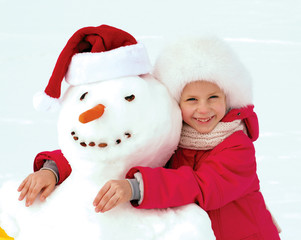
(90, 67)
(204, 58)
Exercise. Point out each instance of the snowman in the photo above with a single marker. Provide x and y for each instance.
(113, 116)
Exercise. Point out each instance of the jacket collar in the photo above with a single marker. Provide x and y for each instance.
(249, 117)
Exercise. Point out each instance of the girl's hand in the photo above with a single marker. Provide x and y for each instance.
(113, 193)
(42, 181)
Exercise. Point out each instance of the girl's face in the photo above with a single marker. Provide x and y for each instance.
(203, 105)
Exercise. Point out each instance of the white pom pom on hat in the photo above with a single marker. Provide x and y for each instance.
(94, 54)
(43, 102)
(206, 58)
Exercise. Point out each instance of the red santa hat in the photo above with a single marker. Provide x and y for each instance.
(205, 58)
(94, 54)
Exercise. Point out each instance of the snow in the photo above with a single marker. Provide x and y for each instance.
(265, 34)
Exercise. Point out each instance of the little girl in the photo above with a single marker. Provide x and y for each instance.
(214, 165)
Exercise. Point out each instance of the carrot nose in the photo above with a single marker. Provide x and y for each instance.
(92, 114)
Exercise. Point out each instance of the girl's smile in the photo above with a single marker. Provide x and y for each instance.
(204, 120)
(203, 105)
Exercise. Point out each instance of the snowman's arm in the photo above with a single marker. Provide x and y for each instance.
(61, 162)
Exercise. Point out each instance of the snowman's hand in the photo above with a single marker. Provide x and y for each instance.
(113, 193)
(42, 181)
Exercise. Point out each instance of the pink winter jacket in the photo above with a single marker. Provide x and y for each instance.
(222, 181)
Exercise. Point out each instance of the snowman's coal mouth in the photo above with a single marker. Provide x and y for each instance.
(100, 144)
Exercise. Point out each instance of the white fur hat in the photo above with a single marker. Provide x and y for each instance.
(204, 58)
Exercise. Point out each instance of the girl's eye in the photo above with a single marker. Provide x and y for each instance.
(130, 98)
(214, 96)
(191, 99)
(83, 96)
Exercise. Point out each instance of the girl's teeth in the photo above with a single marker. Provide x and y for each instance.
(204, 120)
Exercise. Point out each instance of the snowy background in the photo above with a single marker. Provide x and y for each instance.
(266, 34)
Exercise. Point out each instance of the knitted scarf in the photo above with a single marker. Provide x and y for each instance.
(192, 139)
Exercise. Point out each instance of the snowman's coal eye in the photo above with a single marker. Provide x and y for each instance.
(83, 96)
(130, 98)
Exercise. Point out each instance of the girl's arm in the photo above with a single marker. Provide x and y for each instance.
(227, 174)
(64, 168)
(43, 180)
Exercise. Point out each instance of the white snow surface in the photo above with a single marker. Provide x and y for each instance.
(265, 34)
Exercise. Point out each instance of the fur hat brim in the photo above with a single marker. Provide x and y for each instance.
(205, 58)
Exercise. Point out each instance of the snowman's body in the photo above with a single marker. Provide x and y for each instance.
(141, 126)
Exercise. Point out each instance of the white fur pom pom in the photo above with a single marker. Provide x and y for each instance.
(45, 103)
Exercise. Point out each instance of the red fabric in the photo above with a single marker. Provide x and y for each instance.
(88, 39)
(223, 181)
(248, 116)
(56, 156)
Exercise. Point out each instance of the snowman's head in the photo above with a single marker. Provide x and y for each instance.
(126, 121)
